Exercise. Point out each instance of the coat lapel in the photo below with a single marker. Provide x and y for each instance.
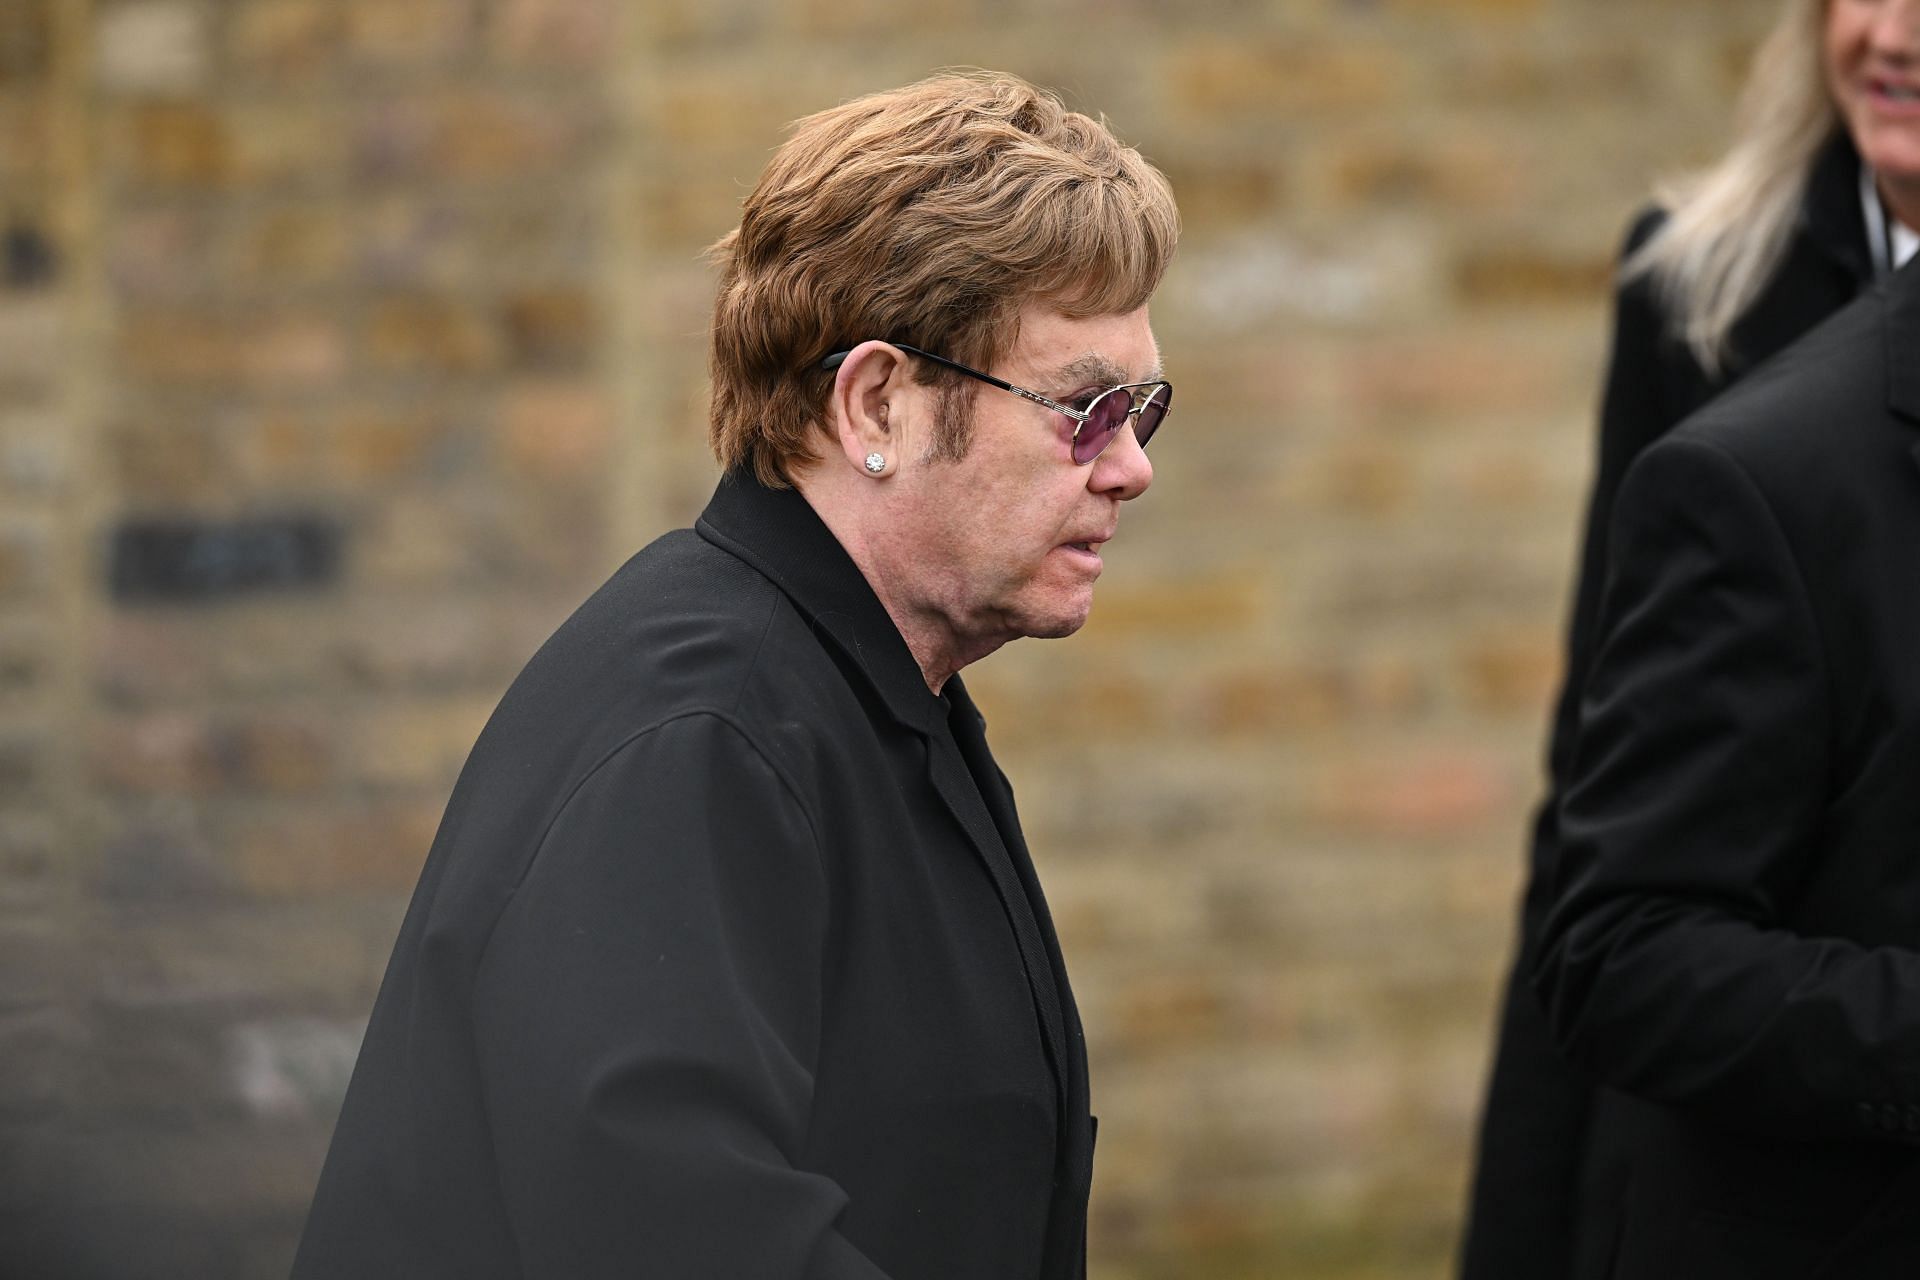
(955, 781)
(1902, 327)
(1830, 215)
(970, 732)
(1903, 341)
(1066, 1249)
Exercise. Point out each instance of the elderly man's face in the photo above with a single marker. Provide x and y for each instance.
(1007, 541)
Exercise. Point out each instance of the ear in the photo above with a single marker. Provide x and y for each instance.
(868, 407)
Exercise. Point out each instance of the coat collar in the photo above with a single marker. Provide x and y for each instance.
(778, 532)
(1830, 213)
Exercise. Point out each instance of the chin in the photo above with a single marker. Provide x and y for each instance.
(1891, 151)
(1902, 169)
(1055, 623)
(1891, 157)
(1056, 630)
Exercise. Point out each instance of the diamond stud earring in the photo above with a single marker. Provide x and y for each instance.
(876, 463)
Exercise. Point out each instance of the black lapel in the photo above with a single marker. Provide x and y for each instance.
(970, 733)
(779, 534)
(1903, 342)
(1830, 214)
(954, 779)
(1066, 1240)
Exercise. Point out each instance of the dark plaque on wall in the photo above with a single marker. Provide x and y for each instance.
(195, 560)
(27, 258)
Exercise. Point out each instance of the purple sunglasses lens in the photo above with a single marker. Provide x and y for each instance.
(1105, 416)
(1108, 414)
(1152, 413)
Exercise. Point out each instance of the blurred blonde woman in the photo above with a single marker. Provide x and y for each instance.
(1818, 198)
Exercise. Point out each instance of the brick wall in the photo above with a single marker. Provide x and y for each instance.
(345, 344)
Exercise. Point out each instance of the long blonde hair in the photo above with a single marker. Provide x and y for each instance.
(1728, 227)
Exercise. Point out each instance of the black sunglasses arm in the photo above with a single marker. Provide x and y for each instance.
(838, 358)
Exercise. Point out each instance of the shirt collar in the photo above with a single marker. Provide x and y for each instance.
(778, 533)
(1891, 241)
(1906, 242)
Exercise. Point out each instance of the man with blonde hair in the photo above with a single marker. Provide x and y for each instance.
(729, 959)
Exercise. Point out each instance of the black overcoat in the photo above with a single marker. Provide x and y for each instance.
(1733, 944)
(1545, 1176)
(728, 961)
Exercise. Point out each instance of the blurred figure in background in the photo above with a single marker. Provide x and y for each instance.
(729, 959)
(1818, 198)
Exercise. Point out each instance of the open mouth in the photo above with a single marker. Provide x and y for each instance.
(1897, 93)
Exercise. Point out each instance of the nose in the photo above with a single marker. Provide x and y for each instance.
(1896, 29)
(1122, 470)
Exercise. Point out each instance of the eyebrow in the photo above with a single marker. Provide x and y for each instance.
(1098, 369)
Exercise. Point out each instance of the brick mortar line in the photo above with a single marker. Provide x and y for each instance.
(72, 200)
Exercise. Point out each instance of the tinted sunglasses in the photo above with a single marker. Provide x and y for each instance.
(1095, 426)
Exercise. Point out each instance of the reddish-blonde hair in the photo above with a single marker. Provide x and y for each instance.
(928, 215)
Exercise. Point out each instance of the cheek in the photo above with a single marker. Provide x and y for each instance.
(1842, 40)
(1834, 72)
(1012, 541)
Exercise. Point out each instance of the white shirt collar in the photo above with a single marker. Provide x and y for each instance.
(1891, 244)
(1906, 241)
